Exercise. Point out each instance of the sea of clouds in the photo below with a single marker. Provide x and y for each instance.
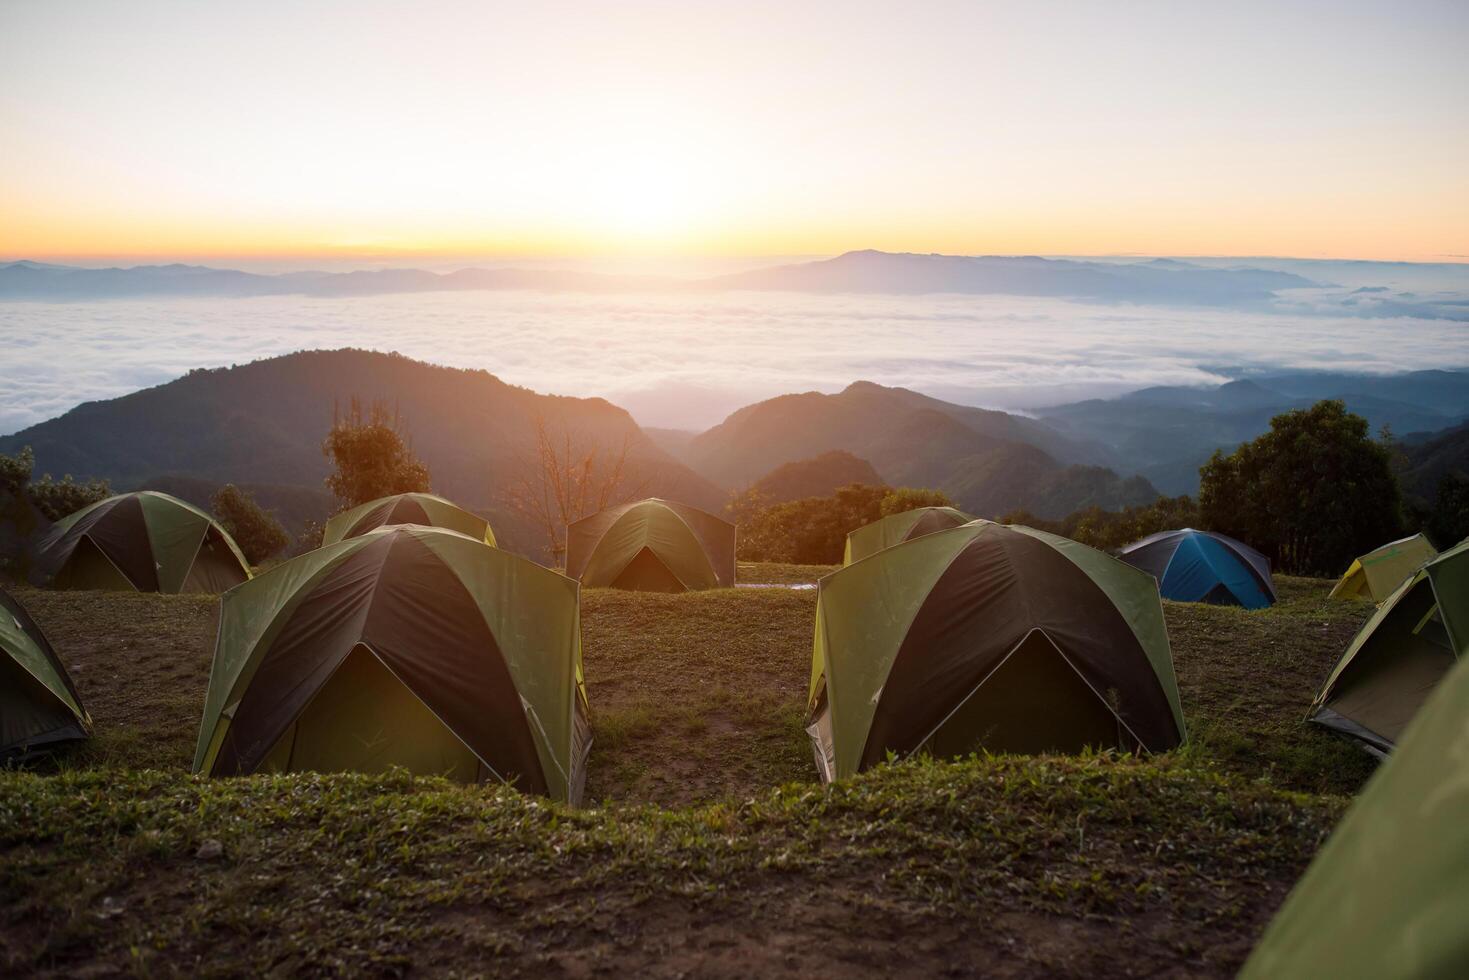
(686, 361)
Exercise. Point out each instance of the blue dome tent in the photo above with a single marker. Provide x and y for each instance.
(1201, 566)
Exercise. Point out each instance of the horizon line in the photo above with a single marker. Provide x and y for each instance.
(337, 258)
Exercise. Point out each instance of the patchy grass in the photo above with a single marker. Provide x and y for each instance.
(1075, 866)
(689, 860)
(141, 662)
(699, 696)
(1247, 679)
(774, 573)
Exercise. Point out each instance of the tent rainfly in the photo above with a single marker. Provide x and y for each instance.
(39, 705)
(411, 646)
(406, 508)
(897, 528)
(145, 541)
(1386, 896)
(992, 637)
(1201, 566)
(1400, 655)
(1376, 574)
(652, 546)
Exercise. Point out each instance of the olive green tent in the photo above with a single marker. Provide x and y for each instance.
(411, 646)
(406, 508)
(39, 705)
(897, 528)
(988, 636)
(653, 546)
(145, 541)
(1387, 897)
(1409, 644)
(1376, 574)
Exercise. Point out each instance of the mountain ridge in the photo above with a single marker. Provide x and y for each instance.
(912, 439)
(263, 423)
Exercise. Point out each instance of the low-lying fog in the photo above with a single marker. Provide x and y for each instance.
(685, 361)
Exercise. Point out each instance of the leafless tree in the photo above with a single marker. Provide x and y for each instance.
(566, 477)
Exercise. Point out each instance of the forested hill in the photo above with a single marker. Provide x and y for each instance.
(989, 462)
(264, 422)
(1166, 433)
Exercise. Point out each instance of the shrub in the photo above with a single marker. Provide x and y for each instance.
(1110, 530)
(814, 531)
(58, 498)
(257, 532)
(371, 457)
(309, 538)
(15, 471)
(904, 499)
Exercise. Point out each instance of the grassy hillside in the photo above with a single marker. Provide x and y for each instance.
(707, 847)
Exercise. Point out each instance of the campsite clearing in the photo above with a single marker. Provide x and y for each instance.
(707, 843)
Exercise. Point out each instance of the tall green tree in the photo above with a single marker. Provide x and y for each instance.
(371, 456)
(1312, 493)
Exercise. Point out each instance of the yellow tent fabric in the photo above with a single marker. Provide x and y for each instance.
(1377, 574)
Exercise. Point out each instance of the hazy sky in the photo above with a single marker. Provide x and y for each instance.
(291, 128)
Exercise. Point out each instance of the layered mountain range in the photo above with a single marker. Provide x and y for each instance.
(262, 424)
(1303, 286)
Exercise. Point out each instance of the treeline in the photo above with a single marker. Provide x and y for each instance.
(1111, 529)
(813, 531)
(1312, 493)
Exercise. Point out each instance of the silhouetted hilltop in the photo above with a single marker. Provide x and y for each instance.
(869, 420)
(1166, 433)
(38, 281)
(264, 422)
(870, 271)
(984, 459)
(1279, 285)
(866, 271)
(818, 476)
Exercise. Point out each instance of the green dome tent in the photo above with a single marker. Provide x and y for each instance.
(39, 705)
(411, 646)
(653, 546)
(897, 528)
(1388, 894)
(406, 508)
(145, 541)
(1376, 574)
(1400, 655)
(988, 636)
